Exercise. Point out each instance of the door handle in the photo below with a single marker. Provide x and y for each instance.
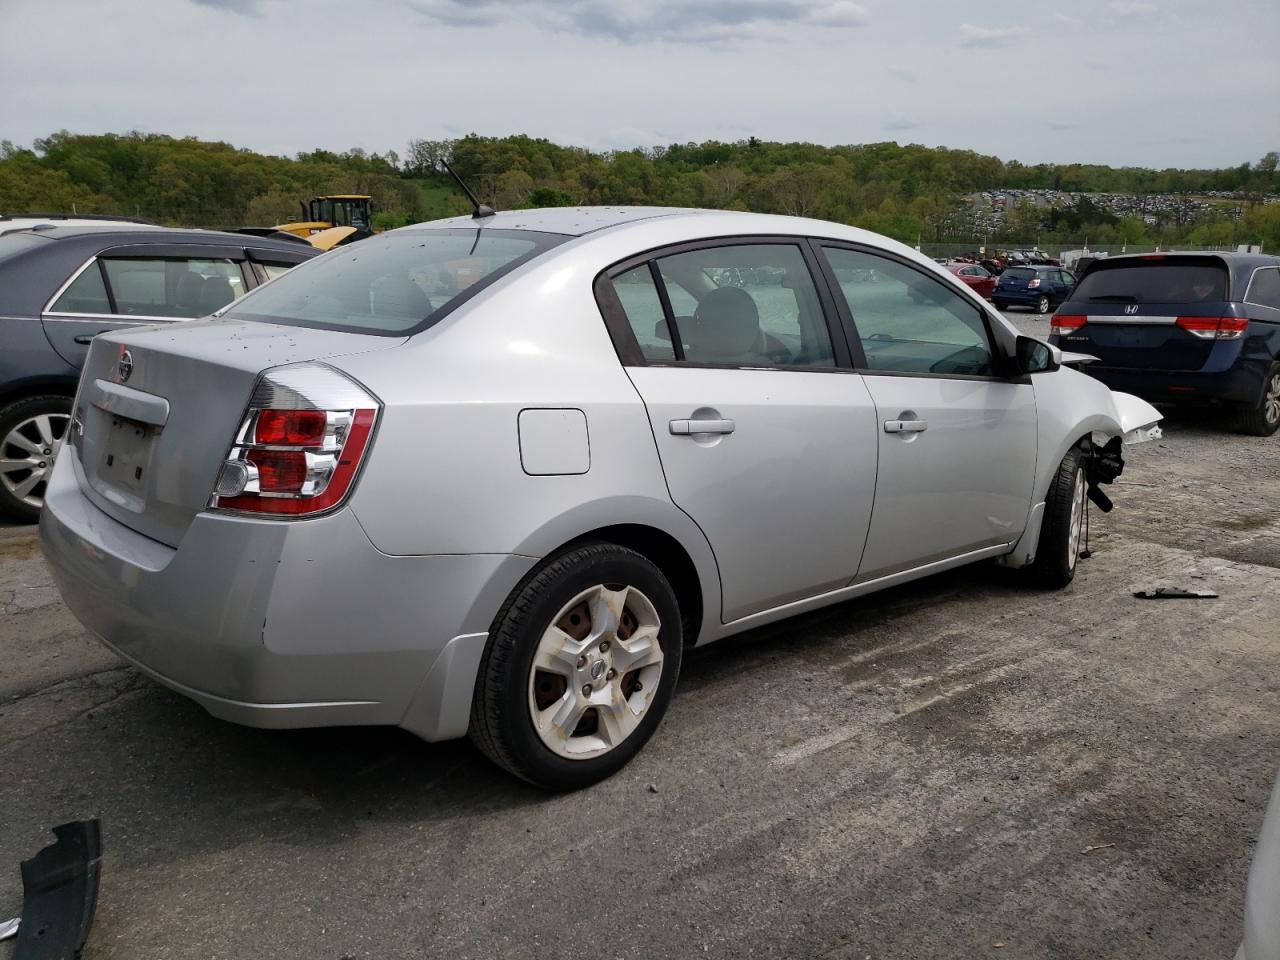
(906, 426)
(84, 339)
(684, 428)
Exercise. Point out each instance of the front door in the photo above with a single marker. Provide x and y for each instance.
(957, 442)
(767, 438)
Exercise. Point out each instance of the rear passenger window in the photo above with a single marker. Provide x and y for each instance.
(908, 322)
(750, 305)
(86, 294)
(172, 288)
(643, 307)
(1264, 288)
(274, 270)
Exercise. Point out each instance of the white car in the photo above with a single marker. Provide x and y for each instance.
(494, 474)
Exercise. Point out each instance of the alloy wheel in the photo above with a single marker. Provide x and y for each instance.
(27, 454)
(595, 671)
(1042, 305)
(1076, 528)
(1271, 402)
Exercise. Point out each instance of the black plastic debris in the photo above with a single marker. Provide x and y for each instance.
(59, 892)
(1175, 593)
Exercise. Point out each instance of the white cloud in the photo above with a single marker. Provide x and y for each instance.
(1069, 21)
(671, 21)
(971, 36)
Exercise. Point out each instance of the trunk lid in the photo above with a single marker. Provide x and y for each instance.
(158, 408)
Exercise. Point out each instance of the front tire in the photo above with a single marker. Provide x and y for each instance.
(581, 664)
(1061, 532)
(32, 431)
(1264, 419)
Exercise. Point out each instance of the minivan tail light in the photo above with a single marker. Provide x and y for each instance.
(1065, 323)
(300, 445)
(1215, 328)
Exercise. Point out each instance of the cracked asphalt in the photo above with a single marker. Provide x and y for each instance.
(958, 767)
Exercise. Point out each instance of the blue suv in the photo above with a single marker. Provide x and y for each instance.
(1183, 328)
(1039, 287)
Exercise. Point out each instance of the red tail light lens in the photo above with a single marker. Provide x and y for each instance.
(1065, 323)
(1033, 283)
(290, 427)
(279, 471)
(301, 444)
(1215, 328)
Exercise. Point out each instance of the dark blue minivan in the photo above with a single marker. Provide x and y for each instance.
(1039, 287)
(1183, 328)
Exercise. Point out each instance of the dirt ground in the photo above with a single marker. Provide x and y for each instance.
(958, 767)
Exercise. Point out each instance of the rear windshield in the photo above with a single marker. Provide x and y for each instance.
(1019, 273)
(393, 284)
(1174, 280)
(15, 243)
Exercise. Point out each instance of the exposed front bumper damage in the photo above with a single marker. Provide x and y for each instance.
(281, 624)
(59, 894)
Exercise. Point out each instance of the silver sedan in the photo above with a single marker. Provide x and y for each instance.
(492, 476)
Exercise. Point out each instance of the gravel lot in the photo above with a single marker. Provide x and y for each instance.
(958, 767)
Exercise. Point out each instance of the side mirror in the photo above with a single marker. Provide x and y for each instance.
(1035, 356)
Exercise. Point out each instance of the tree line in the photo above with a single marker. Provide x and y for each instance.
(909, 192)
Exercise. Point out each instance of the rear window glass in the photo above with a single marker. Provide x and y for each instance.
(1020, 273)
(1156, 281)
(392, 284)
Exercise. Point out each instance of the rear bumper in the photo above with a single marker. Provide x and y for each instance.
(1023, 297)
(281, 624)
(1242, 384)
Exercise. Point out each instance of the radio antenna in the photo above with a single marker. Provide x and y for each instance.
(481, 210)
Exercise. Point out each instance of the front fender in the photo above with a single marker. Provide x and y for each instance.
(1070, 407)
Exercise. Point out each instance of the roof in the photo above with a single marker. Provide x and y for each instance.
(141, 233)
(1232, 258)
(570, 221)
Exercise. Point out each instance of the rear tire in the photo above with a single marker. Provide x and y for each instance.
(31, 434)
(1264, 419)
(1042, 305)
(581, 664)
(1000, 304)
(1061, 533)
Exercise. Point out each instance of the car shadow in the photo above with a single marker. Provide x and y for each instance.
(179, 783)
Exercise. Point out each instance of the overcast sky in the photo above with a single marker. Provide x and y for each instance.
(1135, 82)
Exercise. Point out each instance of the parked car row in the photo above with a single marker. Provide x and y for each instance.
(60, 286)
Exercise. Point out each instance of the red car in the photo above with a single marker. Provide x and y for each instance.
(975, 275)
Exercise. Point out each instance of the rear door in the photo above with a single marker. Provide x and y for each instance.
(766, 436)
(1156, 312)
(957, 441)
(140, 284)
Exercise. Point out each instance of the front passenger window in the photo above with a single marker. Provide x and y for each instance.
(909, 322)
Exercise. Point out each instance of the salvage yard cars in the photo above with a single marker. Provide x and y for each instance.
(493, 475)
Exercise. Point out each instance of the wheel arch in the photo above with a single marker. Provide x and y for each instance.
(661, 532)
(25, 389)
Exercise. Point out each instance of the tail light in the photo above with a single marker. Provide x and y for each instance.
(1215, 328)
(1065, 323)
(1032, 284)
(300, 445)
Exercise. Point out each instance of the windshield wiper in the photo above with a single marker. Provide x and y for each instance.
(1114, 298)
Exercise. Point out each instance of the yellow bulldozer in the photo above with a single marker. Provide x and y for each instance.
(330, 221)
